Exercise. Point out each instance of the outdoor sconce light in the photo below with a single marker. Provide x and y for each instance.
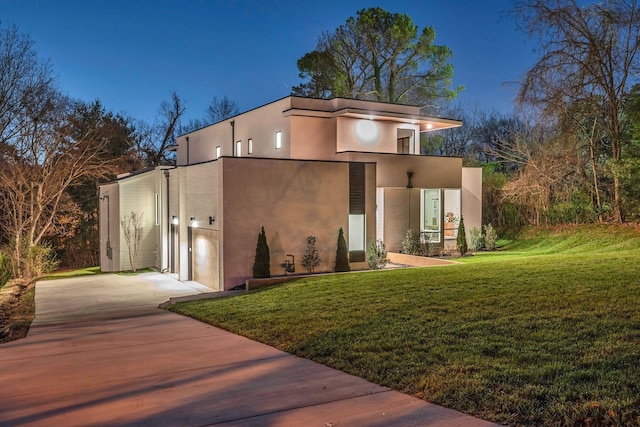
(175, 220)
(409, 176)
(211, 219)
(194, 223)
(193, 219)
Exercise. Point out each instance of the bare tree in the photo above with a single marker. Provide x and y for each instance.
(40, 157)
(132, 227)
(587, 52)
(156, 139)
(220, 109)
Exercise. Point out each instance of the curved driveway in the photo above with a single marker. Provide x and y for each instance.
(100, 352)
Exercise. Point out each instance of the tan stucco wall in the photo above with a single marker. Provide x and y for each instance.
(199, 197)
(260, 125)
(384, 138)
(401, 213)
(313, 138)
(472, 198)
(292, 200)
(428, 172)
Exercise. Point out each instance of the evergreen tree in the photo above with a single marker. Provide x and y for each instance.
(461, 241)
(261, 264)
(342, 254)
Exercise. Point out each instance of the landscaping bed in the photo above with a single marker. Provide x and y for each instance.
(17, 310)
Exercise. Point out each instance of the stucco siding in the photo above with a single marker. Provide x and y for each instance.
(472, 198)
(292, 200)
(313, 138)
(428, 172)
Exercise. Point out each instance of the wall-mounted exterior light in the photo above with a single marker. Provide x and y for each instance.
(211, 219)
(174, 220)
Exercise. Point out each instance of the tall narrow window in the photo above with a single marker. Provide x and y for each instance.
(250, 146)
(238, 148)
(357, 223)
(430, 212)
(451, 213)
(218, 152)
(157, 209)
(278, 140)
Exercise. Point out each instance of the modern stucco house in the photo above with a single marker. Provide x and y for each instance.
(297, 167)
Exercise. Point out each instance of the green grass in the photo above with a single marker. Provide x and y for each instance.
(65, 274)
(545, 331)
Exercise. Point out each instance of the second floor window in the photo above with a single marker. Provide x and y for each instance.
(218, 152)
(239, 149)
(278, 140)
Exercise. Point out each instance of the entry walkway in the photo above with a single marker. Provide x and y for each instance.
(100, 352)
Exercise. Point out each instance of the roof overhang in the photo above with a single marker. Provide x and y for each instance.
(426, 123)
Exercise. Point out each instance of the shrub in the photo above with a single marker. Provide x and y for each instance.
(477, 239)
(342, 254)
(262, 262)
(411, 244)
(41, 260)
(490, 237)
(377, 255)
(461, 241)
(5, 270)
(311, 258)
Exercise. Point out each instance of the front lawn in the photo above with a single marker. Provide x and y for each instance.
(544, 333)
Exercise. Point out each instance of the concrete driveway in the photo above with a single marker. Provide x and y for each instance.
(100, 352)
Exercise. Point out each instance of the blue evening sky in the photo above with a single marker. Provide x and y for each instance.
(132, 54)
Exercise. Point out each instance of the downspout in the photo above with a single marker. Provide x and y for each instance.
(233, 136)
(166, 175)
(187, 150)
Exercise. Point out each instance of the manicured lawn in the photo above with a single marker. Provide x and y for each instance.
(65, 274)
(544, 332)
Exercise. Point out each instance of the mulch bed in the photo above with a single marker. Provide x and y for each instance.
(17, 310)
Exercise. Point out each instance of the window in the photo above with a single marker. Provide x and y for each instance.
(357, 209)
(356, 233)
(451, 213)
(430, 209)
(157, 209)
(238, 148)
(218, 152)
(278, 140)
(250, 146)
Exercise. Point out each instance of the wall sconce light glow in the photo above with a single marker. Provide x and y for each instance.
(175, 220)
(194, 223)
(429, 126)
(367, 131)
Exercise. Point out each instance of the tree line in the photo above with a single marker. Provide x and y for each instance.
(54, 152)
(571, 152)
